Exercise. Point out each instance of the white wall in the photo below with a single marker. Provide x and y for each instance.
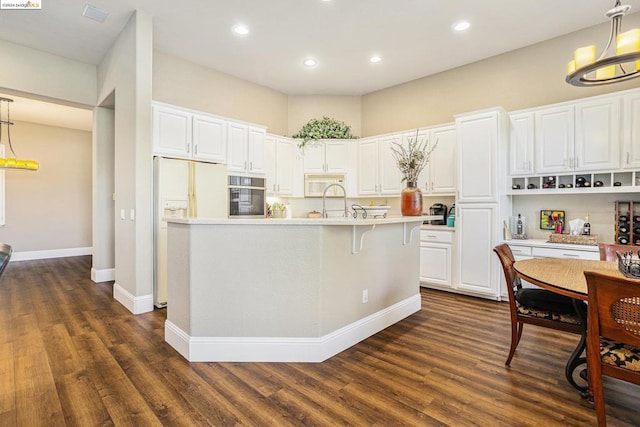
(126, 71)
(46, 76)
(49, 209)
(182, 83)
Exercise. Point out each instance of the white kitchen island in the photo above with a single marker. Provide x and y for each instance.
(284, 290)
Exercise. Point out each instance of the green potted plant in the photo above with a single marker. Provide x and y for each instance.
(411, 160)
(325, 128)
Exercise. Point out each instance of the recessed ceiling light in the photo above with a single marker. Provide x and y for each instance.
(310, 62)
(241, 30)
(461, 26)
(375, 59)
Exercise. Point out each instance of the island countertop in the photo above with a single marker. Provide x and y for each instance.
(296, 221)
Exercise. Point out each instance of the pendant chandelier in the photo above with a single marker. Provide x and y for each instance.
(12, 162)
(610, 67)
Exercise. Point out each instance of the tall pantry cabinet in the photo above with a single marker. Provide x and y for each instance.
(482, 205)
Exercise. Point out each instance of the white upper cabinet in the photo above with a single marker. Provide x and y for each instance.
(378, 172)
(631, 133)
(584, 136)
(326, 157)
(171, 132)
(279, 165)
(439, 176)
(245, 148)
(184, 134)
(597, 145)
(478, 141)
(210, 139)
(522, 143)
(554, 139)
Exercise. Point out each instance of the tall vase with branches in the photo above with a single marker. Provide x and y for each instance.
(411, 159)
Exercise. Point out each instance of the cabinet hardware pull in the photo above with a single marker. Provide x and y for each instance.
(571, 255)
(245, 165)
(195, 149)
(187, 148)
(250, 166)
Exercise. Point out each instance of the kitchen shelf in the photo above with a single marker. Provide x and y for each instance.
(629, 182)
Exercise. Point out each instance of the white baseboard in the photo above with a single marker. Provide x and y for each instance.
(284, 349)
(136, 305)
(104, 275)
(51, 253)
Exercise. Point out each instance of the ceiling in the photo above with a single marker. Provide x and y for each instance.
(413, 37)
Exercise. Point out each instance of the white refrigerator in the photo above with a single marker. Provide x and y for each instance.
(183, 189)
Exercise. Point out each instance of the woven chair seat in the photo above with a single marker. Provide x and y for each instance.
(620, 355)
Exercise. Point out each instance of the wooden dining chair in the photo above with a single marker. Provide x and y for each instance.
(533, 305)
(608, 251)
(613, 333)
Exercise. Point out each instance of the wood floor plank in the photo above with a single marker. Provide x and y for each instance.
(71, 355)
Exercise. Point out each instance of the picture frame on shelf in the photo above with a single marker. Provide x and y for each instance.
(549, 217)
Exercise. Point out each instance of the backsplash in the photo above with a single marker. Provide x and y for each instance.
(600, 208)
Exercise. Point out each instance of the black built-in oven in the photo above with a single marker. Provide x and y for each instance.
(247, 197)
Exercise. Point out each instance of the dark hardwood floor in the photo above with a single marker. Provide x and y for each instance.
(71, 355)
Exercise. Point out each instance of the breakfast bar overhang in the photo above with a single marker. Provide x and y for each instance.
(287, 290)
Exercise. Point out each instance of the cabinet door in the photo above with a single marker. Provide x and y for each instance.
(435, 264)
(477, 138)
(237, 147)
(597, 145)
(368, 167)
(313, 157)
(336, 156)
(476, 237)
(442, 166)
(284, 166)
(631, 136)
(390, 178)
(554, 140)
(521, 144)
(270, 164)
(209, 139)
(255, 151)
(171, 132)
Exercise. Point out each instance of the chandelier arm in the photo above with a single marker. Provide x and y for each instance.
(615, 25)
(9, 131)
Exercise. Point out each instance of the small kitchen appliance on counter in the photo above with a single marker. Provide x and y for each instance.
(438, 209)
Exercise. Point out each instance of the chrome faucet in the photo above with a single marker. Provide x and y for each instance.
(324, 197)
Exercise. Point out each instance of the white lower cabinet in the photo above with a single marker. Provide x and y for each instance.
(436, 265)
(477, 235)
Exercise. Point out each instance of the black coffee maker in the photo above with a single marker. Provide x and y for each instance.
(438, 209)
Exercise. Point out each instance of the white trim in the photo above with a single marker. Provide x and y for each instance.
(136, 305)
(285, 349)
(104, 275)
(51, 253)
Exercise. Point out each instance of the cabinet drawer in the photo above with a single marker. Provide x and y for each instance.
(564, 253)
(436, 236)
(520, 250)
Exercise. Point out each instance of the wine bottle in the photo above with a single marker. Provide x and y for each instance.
(586, 228)
(623, 218)
(519, 227)
(622, 229)
(623, 240)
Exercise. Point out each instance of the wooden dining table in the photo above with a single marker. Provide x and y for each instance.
(566, 277)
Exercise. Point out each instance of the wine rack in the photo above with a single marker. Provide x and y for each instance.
(627, 222)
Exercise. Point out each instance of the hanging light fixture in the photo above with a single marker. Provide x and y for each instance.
(12, 162)
(610, 67)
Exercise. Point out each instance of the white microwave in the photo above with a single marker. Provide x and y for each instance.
(314, 185)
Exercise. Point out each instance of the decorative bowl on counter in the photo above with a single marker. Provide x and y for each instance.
(370, 211)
